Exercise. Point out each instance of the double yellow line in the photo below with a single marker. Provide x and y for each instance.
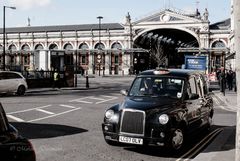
(197, 148)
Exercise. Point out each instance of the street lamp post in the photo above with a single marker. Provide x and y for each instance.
(4, 34)
(99, 57)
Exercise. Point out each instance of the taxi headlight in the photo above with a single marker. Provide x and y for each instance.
(109, 114)
(163, 119)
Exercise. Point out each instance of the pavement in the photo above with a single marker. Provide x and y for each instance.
(95, 82)
(223, 146)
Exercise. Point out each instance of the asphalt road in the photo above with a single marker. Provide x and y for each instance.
(65, 125)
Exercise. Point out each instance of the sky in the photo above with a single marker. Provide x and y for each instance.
(71, 12)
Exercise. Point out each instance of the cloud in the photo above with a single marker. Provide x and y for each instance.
(29, 4)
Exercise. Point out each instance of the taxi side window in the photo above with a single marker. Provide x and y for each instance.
(192, 84)
(199, 87)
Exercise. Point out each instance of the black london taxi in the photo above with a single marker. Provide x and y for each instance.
(161, 107)
(13, 147)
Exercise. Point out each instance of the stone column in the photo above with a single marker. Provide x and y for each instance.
(236, 12)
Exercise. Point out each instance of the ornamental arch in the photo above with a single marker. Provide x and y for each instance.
(116, 58)
(163, 44)
(218, 56)
(69, 53)
(99, 59)
(83, 57)
(14, 58)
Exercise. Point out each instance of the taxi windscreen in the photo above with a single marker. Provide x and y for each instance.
(157, 86)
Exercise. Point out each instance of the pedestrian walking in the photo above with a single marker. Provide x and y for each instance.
(229, 78)
(222, 80)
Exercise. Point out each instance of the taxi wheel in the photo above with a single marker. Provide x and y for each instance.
(21, 90)
(177, 139)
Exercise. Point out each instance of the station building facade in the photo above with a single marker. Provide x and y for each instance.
(119, 48)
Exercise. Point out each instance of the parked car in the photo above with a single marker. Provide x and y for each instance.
(161, 108)
(13, 147)
(12, 82)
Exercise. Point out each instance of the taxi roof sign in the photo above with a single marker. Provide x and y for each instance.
(161, 71)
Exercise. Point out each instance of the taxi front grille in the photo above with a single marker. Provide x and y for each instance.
(133, 122)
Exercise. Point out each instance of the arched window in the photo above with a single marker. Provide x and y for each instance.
(116, 45)
(25, 47)
(39, 47)
(12, 47)
(53, 47)
(83, 54)
(68, 46)
(83, 46)
(218, 44)
(99, 46)
(115, 57)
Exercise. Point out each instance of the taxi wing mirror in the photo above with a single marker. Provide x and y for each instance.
(124, 92)
(193, 96)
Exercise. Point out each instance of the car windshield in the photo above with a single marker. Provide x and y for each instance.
(157, 86)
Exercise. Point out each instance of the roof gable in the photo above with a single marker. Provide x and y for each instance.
(169, 15)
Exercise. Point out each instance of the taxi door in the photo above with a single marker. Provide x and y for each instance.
(193, 105)
(206, 100)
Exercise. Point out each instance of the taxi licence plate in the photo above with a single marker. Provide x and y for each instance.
(130, 140)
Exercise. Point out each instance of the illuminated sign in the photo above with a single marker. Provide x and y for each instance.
(195, 62)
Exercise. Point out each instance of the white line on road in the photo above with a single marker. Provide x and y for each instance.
(81, 101)
(31, 109)
(67, 106)
(106, 100)
(45, 111)
(204, 141)
(96, 98)
(108, 96)
(15, 118)
(43, 118)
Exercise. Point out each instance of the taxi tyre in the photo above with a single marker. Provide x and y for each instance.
(177, 139)
(21, 90)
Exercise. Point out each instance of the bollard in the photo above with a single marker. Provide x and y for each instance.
(87, 82)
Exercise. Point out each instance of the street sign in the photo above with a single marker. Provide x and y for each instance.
(195, 62)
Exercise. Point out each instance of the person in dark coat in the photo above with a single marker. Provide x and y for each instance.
(229, 78)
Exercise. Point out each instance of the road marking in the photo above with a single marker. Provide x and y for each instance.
(43, 118)
(31, 109)
(100, 100)
(107, 96)
(15, 118)
(95, 98)
(45, 111)
(204, 141)
(81, 101)
(67, 106)
(204, 144)
(106, 100)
